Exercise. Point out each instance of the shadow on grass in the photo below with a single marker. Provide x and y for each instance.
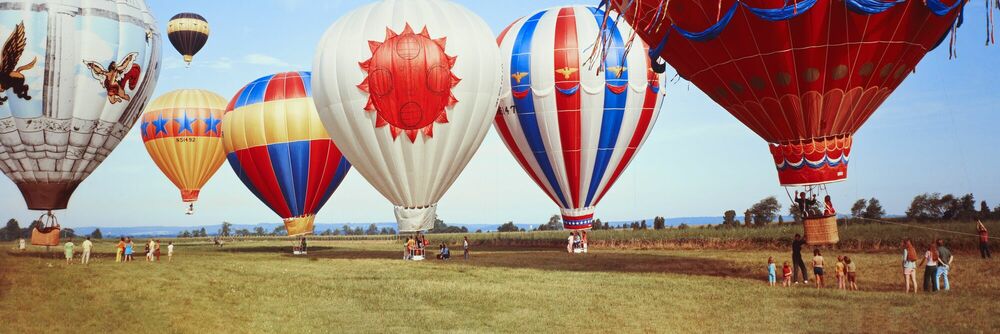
(268, 249)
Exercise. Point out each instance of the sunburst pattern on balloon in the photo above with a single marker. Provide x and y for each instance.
(409, 82)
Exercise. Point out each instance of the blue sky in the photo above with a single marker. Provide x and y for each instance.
(936, 133)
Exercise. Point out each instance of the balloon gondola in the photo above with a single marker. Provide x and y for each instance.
(804, 76)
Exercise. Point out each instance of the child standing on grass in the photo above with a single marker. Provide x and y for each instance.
(852, 274)
(69, 251)
(841, 280)
(120, 250)
(170, 251)
(129, 248)
(771, 275)
(786, 273)
(818, 264)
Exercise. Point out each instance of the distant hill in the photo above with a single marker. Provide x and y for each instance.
(171, 231)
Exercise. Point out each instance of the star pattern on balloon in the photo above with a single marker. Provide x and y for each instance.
(144, 126)
(185, 123)
(212, 124)
(160, 125)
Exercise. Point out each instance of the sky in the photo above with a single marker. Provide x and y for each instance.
(936, 133)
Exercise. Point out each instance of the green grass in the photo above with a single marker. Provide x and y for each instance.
(362, 286)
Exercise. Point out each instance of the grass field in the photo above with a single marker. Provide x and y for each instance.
(363, 286)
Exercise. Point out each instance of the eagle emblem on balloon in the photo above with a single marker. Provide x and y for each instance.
(409, 82)
(118, 75)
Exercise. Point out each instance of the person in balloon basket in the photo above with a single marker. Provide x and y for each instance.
(818, 263)
(302, 245)
(984, 240)
(87, 246)
(786, 274)
(465, 247)
(771, 271)
(411, 247)
(120, 249)
(797, 264)
(69, 250)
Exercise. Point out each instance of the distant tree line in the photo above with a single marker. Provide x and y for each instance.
(937, 207)
(13, 231)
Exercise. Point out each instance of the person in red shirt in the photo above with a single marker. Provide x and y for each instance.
(786, 274)
(984, 240)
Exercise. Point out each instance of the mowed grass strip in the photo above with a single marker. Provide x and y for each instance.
(364, 286)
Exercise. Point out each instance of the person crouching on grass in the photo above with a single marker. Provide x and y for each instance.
(818, 264)
(786, 274)
(841, 282)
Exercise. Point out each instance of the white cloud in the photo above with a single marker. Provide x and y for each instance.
(264, 60)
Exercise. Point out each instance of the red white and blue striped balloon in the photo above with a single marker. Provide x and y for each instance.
(573, 128)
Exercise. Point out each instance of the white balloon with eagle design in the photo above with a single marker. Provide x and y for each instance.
(408, 89)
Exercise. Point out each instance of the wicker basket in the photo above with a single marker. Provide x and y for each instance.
(821, 230)
(46, 236)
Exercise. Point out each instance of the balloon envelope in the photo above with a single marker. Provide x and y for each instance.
(182, 134)
(277, 146)
(571, 128)
(803, 75)
(188, 32)
(75, 78)
(407, 89)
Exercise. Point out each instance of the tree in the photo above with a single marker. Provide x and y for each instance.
(372, 229)
(925, 207)
(747, 218)
(259, 231)
(358, 231)
(873, 210)
(858, 209)
(765, 211)
(642, 226)
(659, 223)
(67, 233)
(984, 210)
(184, 234)
(508, 227)
(278, 230)
(554, 224)
(729, 218)
(226, 229)
(326, 232)
(597, 225)
(11, 231)
(202, 232)
(96, 234)
(346, 230)
(683, 226)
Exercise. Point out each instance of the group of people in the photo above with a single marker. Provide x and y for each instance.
(126, 248)
(846, 270)
(577, 242)
(937, 261)
(414, 248)
(809, 206)
(69, 247)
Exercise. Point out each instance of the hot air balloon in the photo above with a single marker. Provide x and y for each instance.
(74, 78)
(188, 32)
(181, 131)
(804, 75)
(571, 128)
(407, 89)
(279, 149)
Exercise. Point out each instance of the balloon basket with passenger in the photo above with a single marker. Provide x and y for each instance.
(46, 233)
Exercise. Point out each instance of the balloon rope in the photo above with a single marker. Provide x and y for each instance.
(924, 227)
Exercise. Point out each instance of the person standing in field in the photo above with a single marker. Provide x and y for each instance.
(465, 247)
(818, 263)
(85, 257)
(69, 250)
(156, 251)
(569, 243)
(120, 249)
(786, 274)
(129, 249)
(21, 244)
(170, 251)
(930, 263)
(909, 265)
(583, 241)
(406, 249)
(984, 240)
(771, 271)
(841, 280)
(852, 274)
(302, 245)
(944, 266)
(797, 263)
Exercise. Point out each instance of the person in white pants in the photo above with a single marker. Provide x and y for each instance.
(87, 245)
